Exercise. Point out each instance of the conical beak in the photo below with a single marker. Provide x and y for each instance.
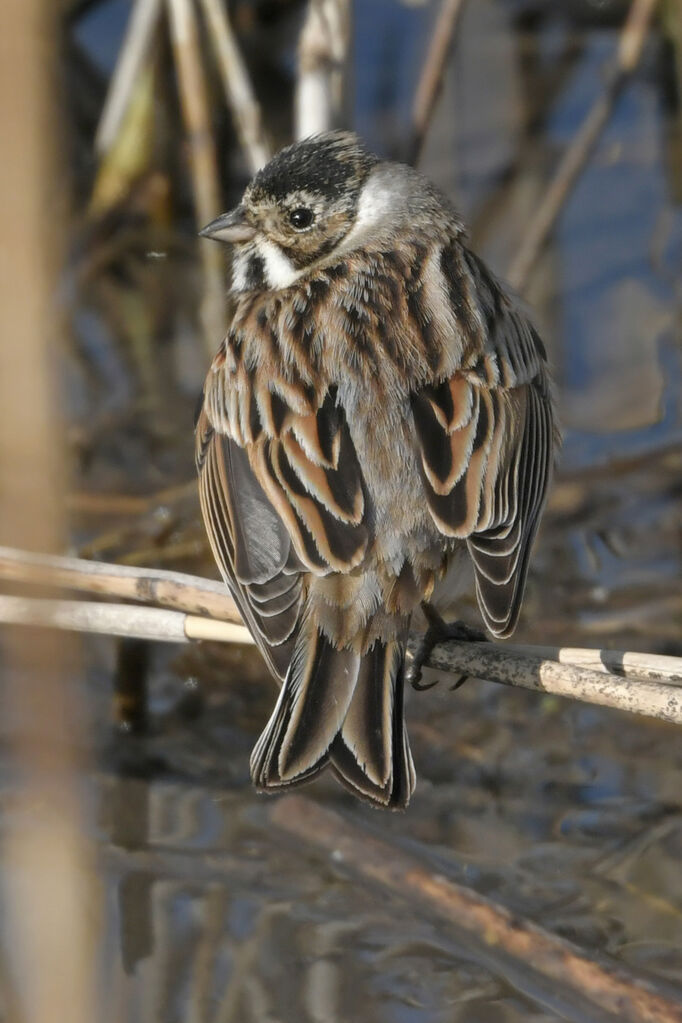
(232, 228)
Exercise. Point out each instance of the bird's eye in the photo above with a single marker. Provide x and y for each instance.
(300, 218)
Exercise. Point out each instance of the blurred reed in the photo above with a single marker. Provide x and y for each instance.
(322, 56)
(48, 879)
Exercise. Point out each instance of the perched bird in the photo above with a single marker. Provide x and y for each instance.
(379, 410)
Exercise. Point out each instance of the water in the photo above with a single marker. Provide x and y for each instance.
(570, 815)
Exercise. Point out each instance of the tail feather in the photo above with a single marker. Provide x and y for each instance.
(336, 706)
(310, 710)
(371, 754)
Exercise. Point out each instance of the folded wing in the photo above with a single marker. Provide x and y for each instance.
(282, 495)
(486, 440)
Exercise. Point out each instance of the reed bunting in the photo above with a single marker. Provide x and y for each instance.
(379, 410)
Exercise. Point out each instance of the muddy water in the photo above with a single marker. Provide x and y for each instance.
(570, 815)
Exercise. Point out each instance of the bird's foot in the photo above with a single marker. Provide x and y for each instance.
(439, 632)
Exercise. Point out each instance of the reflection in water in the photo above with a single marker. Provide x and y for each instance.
(569, 815)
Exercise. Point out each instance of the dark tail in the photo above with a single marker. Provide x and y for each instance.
(345, 709)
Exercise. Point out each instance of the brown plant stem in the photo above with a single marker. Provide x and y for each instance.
(203, 164)
(431, 78)
(135, 51)
(238, 88)
(513, 945)
(83, 502)
(173, 590)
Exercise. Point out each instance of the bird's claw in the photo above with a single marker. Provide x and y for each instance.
(440, 632)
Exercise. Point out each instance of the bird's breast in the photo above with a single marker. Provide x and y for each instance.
(383, 437)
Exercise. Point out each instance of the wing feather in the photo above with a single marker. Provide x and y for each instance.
(282, 495)
(486, 438)
(266, 583)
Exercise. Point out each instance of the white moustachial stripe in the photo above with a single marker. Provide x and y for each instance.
(279, 270)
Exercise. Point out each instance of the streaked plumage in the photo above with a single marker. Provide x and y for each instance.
(379, 408)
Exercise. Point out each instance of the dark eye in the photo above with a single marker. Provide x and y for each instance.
(300, 218)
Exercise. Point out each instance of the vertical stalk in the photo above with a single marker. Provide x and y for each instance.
(433, 72)
(47, 862)
(135, 52)
(203, 164)
(322, 54)
(238, 88)
(575, 159)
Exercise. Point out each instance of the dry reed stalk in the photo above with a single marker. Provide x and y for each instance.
(135, 51)
(203, 164)
(322, 54)
(147, 623)
(173, 590)
(433, 72)
(130, 154)
(498, 663)
(239, 92)
(574, 160)
(624, 663)
(515, 947)
(643, 684)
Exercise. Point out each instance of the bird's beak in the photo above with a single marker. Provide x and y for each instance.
(232, 228)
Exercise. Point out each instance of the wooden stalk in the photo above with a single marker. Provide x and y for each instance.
(203, 164)
(515, 947)
(195, 608)
(136, 50)
(239, 92)
(575, 158)
(322, 53)
(433, 72)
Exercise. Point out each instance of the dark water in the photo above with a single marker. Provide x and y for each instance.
(570, 815)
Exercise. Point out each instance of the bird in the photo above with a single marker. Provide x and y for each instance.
(378, 417)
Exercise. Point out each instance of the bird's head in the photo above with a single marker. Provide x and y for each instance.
(296, 210)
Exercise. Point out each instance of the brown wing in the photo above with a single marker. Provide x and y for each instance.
(486, 441)
(265, 577)
(309, 470)
(282, 495)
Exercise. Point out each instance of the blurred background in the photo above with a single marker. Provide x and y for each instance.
(142, 880)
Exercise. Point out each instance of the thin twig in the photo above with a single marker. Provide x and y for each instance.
(575, 158)
(431, 78)
(238, 88)
(515, 947)
(322, 52)
(195, 111)
(137, 45)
